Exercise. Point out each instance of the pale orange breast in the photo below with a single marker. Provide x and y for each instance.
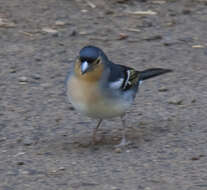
(86, 97)
(83, 93)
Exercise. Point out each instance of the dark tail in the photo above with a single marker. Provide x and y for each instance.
(149, 73)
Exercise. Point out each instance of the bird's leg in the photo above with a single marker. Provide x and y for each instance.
(123, 142)
(95, 130)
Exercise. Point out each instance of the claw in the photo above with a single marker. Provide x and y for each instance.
(123, 143)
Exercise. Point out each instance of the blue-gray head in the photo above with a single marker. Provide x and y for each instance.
(90, 63)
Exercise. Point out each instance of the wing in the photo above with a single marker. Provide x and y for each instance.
(123, 77)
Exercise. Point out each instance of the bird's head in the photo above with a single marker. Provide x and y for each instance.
(90, 63)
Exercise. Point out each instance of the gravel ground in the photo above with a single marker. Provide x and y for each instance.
(45, 143)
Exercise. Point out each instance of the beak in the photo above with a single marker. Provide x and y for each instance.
(84, 67)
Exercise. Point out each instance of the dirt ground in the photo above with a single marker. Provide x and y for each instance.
(45, 143)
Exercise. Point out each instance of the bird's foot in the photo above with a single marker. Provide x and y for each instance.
(123, 143)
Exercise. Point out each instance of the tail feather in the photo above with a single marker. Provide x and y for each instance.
(149, 73)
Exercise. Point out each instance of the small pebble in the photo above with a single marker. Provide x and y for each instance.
(21, 163)
(46, 85)
(163, 89)
(38, 59)
(197, 46)
(49, 30)
(74, 163)
(176, 100)
(36, 76)
(122, 36)
(152, 38)
(195, 158)
(23, 79)
(25, 172)
(118, 150)
(54, 171)
(114, 188)
(169, 42)
(84, 11)
(60, 23)
(171, 23)
(19, 154)
(61, 168)
(83, 33)
(13, 71)
(28, 141)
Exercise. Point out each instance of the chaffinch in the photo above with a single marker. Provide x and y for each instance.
(101, 89)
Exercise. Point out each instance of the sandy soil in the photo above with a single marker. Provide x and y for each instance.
(45, 143)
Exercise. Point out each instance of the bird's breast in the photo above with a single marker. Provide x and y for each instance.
(88, 98)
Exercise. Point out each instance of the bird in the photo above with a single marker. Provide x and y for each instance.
(101, 89)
